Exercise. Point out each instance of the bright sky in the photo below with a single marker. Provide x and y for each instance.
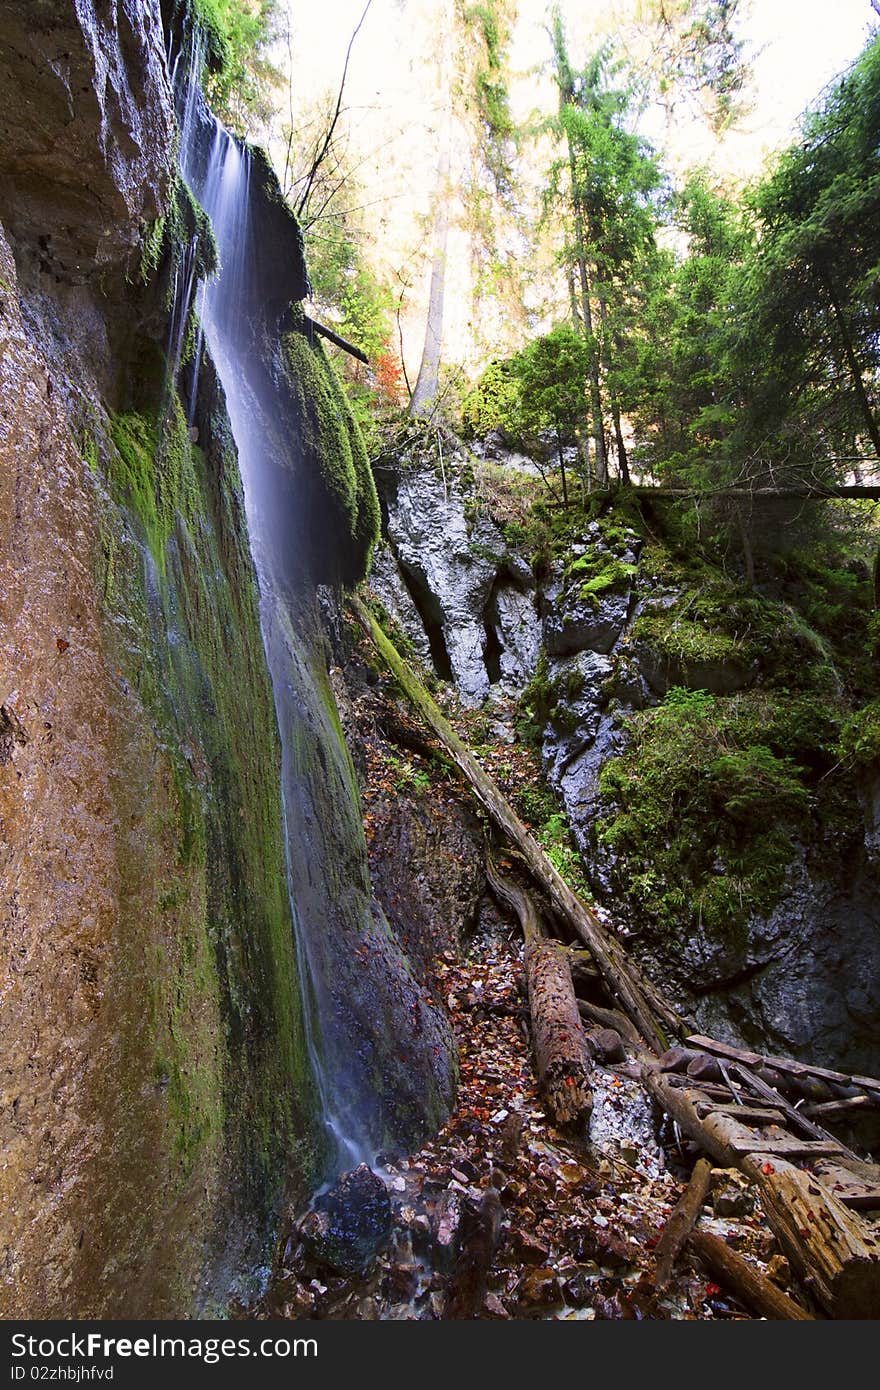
(799, 45)
(795, 48)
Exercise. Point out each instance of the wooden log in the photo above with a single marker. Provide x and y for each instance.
(562, 1053)
(835, 1253)
(610, 1018)
(680, 1103)
(837, 1109)
(583, 967)
(637, 997)
(736, 1274)
(563, 1056)
(785, 1065)
(677, 1059)
(606, 1044)
(518, 902)
(680, 1224)
(312, 326)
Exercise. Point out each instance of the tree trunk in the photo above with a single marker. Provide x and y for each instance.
(428, 381)
(853, 364)
(562, 467)
(622, 976)
(562, 1053)
(595, 385)
(622, 459)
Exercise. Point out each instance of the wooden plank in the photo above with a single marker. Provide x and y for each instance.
(786, 1148)
(855, 1192)
(785, 1064)
(748, 1114)
(794, 1117)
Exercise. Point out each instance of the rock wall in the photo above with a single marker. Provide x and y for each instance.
(158, 1104)
(800, 977)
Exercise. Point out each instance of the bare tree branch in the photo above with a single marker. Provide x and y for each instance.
(328, 138)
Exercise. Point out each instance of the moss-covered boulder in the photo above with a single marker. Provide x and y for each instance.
(339, 490)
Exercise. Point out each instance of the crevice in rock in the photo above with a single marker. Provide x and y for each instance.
(493, 646)
(431, 615)
(734, 981)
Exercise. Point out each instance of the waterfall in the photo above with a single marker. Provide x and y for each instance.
(217, 169)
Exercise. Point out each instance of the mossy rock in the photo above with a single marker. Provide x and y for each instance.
(340, 481)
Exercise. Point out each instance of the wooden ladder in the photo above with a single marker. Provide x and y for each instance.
(762, 1114)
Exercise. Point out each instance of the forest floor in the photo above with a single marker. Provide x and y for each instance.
(580, 1214)
(579, 1220)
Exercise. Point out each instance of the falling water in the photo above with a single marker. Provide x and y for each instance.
(218, 170)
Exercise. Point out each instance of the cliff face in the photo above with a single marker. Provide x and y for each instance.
(719, 826)
(158, 1102)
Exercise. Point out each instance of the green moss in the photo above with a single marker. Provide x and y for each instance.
(217, 1017)
(680, 640)
(333, 445)
(706, 806)
(152, 471)
(860, 736)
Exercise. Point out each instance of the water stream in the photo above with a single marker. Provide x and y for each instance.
(217, 169)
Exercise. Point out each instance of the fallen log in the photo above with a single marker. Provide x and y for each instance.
(682, 1221)
(562, 1055)
(480, 1233)
(730, 1269)
(833, 1251)
(610, 1018)
(836, 1255)
(797, 1071)
(638, 998)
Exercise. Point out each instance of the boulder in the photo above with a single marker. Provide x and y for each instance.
(350, 1224)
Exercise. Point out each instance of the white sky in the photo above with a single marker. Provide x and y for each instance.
(795, 47)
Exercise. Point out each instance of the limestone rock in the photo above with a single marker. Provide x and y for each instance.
(86, 131)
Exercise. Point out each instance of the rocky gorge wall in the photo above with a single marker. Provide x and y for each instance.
(582, 645)
(159, 1107)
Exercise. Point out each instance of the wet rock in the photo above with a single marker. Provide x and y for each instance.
(539, 1288)
(350, 1224)
(573, 623)
(529, 1248)
(387, 583)
(449, 566)
(91, 160)
(600, 1246)
(513, 613)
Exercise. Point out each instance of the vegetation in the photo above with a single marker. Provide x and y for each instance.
(334, 448)
(239, 80)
